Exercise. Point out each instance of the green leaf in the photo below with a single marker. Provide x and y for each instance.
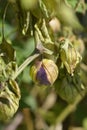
(72, 2)
(9, 31)
(24, 49)
(25, 76)
(81, 6)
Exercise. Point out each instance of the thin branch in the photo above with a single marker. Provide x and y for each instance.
(70, 108)
(25, 64)
(15, 122)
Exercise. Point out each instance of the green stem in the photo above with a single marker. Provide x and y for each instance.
(25, 63)
(70, 108)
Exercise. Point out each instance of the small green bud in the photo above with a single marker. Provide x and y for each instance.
(44, 72)
(69, 56)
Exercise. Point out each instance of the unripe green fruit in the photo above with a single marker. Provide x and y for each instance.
(44, 72)
(69, 87)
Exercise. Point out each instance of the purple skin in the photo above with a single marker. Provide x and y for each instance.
(42, 77)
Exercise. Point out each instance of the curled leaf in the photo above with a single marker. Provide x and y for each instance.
(9, 100)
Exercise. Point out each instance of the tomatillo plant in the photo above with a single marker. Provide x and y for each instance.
(54, 63)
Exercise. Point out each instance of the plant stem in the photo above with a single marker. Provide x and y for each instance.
(25, 63)
(69, 109)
